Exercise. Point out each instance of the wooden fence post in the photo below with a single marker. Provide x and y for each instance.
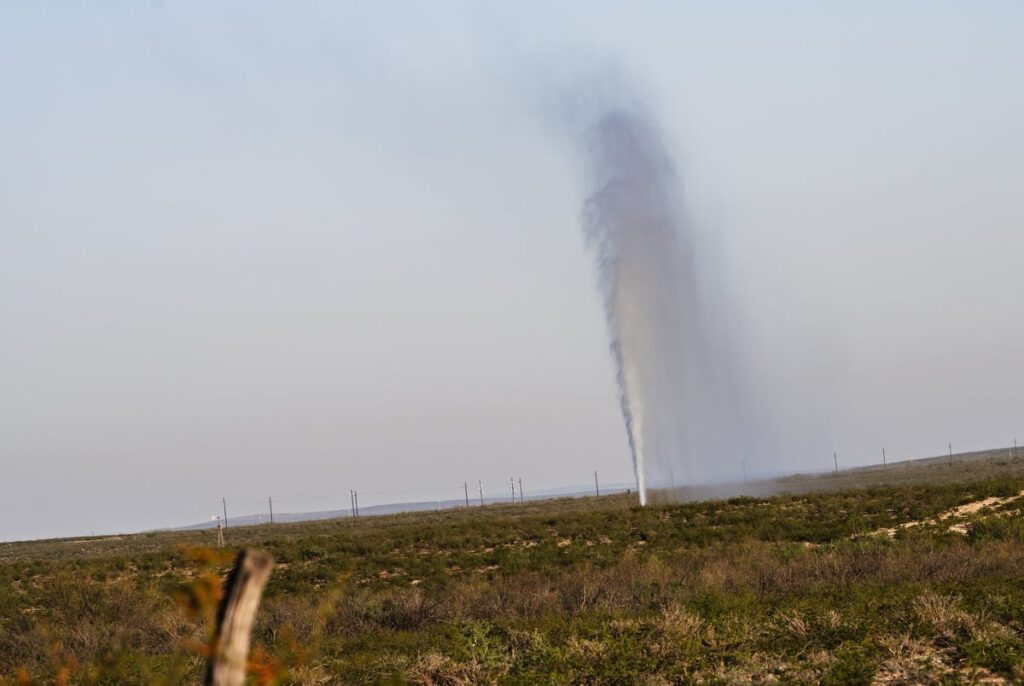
(235, 618)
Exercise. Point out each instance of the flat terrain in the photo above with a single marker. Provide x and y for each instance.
(912, 574)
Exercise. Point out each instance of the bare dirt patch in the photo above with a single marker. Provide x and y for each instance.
(958, 512)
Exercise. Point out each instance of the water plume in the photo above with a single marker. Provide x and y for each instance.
(671, 361)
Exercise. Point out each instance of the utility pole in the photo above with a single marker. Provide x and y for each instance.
(520, 490)
(356, 494)
(480, 485)
(597, 488)
(270, 502)
(835, 460)
(513, 482)
(220, 533)
(224, 504)
(883, 458)
(352, 502)
(465, 487)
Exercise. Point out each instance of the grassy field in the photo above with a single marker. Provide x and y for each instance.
(913, 574)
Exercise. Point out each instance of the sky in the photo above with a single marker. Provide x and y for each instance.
(254, 249)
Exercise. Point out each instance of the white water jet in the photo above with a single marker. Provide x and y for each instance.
(672, 366)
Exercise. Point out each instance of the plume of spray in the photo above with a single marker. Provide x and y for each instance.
(672, 365)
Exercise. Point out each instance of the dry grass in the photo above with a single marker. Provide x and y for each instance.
(779, 590)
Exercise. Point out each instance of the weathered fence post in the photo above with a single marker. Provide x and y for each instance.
(235, 618)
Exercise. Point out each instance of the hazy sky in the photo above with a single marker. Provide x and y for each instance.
(289, 249)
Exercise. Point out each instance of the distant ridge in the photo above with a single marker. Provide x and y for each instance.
(391, 508)
(897, 471)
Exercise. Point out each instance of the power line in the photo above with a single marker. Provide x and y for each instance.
(335, 496)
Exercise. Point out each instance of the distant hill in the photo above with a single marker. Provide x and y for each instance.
(927, 469)
(392, 508)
